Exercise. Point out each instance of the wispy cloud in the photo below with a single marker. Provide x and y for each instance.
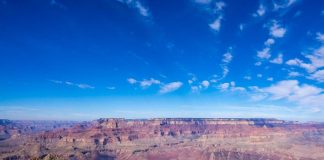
(57, 4)
(203, 1)
(283, 5)
(275, 31)
(241, 27)
(131, 80)
(136, 4)
(230, 86)
(68, 83)
(215, 9)
(84, 86)
(220, 5)
(264, 54)
(247, 77)
(302, 64)
(318, 76)
(145, 83)
(294, 74)
(270, 79)
(141, 9)
(111, 88)
(148, 82)
(227, 58)
(316, 60)
(170, 87)
(320, 37)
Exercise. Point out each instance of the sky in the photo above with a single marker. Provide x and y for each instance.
(89, 59)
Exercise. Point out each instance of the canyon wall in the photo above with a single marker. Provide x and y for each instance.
(171, 138)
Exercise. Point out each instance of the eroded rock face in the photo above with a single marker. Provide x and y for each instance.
(172, 138)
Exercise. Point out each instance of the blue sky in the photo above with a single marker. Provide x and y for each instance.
(82, 60)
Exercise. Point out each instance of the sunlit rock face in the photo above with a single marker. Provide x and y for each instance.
(165, 139)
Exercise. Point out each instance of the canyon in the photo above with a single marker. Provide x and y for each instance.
(162, 139)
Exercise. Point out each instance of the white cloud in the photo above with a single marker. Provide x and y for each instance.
(291, 90)
(269, 42)
(205, 83)
(318, 76)
(224, 86)
(278, 60)
(170, 87)
(216, 24)
(147, 83)
(276, 30)
(264, 54)
(320, 37)
(261, 10)
(304, 95)
(131, 80)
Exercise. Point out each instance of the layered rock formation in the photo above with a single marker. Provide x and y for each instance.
(172, 138)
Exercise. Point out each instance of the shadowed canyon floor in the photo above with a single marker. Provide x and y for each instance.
(162, 139)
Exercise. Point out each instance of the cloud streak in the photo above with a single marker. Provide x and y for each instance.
(136, 4)
(68, 83)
